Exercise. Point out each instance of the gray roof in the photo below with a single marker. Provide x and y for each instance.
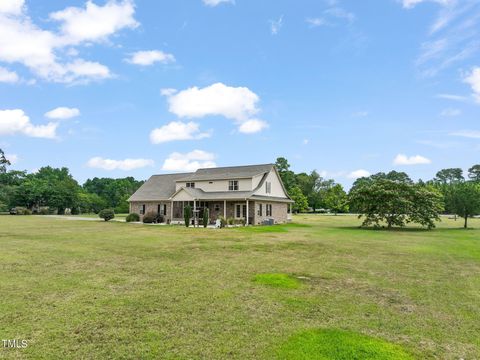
(231, 172)
(158, 187)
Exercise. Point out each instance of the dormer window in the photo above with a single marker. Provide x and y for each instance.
(233, 185)
(190, 184)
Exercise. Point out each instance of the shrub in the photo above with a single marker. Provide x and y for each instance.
(75, 211)
(206, 217)
(43, 210)
(106, 214)
(223, 221)
(230, 221)
(133, 217)
(27, 212)
(149, 217)
(19, 210)
(187, 215)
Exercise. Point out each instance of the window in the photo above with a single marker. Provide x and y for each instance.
(268, 209)
(260, 209)
(233, 185)
(268, 187)
(164, 209)
(158, 209)
(142, 210)
(240, 211)
(217, 207)
(190, 184)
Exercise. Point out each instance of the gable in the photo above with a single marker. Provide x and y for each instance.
(276, 185)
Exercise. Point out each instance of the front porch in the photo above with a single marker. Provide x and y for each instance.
(239, 211)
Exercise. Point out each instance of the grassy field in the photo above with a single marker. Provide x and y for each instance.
(84, 289)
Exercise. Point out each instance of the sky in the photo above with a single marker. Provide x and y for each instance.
(135, 87)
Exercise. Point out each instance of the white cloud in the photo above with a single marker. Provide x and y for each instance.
(276, 25)
(126, 165)
(402, 159)
(217, 2)
(14, 7)
(94, 23)
(177, 130)
(167, 91)
(52, 55)
(473, 134)
(13, 158)
(358, 174)
(305, 141)
(252, 126)
(236, 103)
(17, 122)
(473, 79)
(149, 57)
(316, 22)
(191, 161)
(452, 97)
(451, 112)
(62, 113)
(453, 36)
(7, 76)
(361, 113)
(408, 4)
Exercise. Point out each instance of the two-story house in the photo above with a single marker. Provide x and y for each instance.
(253, 193)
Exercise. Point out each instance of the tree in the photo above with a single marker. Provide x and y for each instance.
(287, 176)
(106, 214)
(206, 217)
(301, 201)
(3, 162)
(474, 172)
(395, 202)
(336, 199)
(314, 187)
(187, 215)
(464, 199)
(449, 176)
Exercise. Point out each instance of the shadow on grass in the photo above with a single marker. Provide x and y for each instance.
(401, 229)
(281, 228)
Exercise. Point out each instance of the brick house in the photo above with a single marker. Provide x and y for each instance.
(253, 194)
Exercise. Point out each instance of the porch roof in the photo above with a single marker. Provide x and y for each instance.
(199, 194)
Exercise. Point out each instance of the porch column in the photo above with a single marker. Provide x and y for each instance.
(246, 220)
(171, 211)
(224, 209)
(194, 213)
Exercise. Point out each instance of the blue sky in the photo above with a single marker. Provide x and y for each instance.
(132, 88)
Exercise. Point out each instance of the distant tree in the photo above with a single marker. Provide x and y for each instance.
(464, 199)
(90, 203)
(3, 162)
(287, 176)
(314, 187)
(301, 201)
(187, 215)
(449, 176)
(336, 199)
(114, 191)
(396, 201)
(474, 173)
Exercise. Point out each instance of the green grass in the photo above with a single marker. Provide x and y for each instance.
(277, 280)
(87, 289)
(340, 345)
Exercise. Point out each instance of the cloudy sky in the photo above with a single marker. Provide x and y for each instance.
(135, 87)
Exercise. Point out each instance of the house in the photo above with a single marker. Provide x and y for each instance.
(252, 194)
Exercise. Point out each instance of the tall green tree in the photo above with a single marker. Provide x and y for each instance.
(287, 176)
(449, 176)
(301, 201)
(464, 199)
(3, 162)
(474, 172)
(336, 199)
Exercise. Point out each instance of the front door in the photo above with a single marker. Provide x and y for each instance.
(240, 211)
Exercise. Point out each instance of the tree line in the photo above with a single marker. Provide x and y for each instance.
(388, 199)
(53, 190)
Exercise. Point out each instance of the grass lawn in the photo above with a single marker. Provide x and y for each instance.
(319, 288)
